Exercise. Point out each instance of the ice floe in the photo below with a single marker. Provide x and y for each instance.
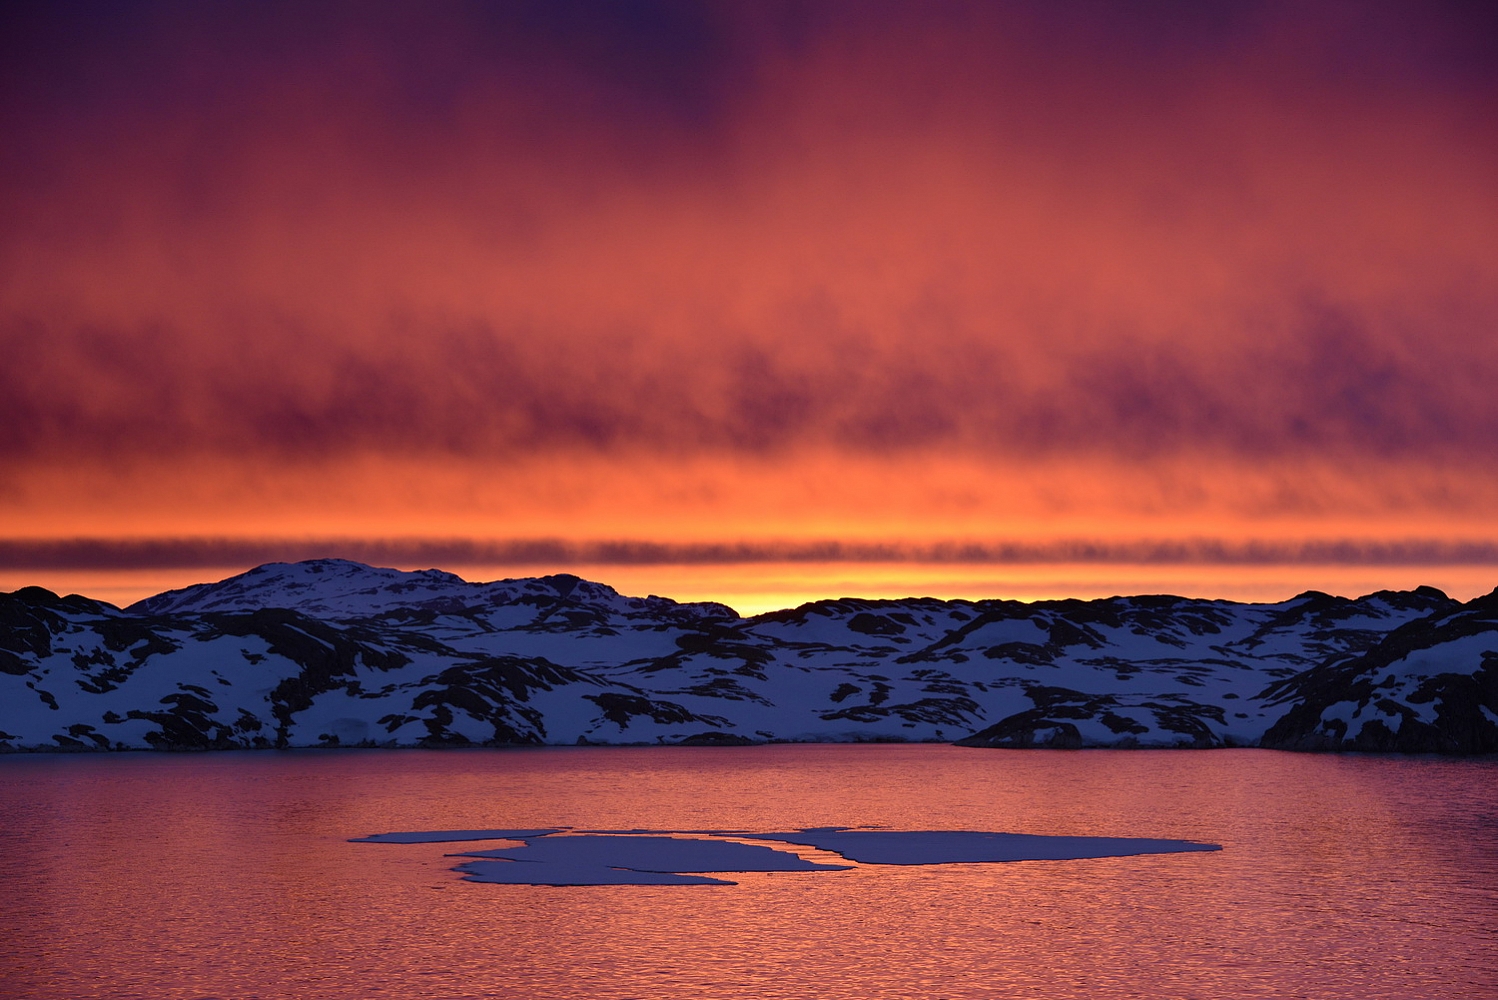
(655, 854)
(559, 858)
(946, 847)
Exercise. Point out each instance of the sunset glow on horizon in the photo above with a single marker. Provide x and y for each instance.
(753, 303)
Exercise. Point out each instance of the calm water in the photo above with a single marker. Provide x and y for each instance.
(229, 875)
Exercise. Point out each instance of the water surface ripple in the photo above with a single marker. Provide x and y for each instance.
(232, 875)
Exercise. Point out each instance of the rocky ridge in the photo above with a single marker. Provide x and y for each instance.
(335, 653)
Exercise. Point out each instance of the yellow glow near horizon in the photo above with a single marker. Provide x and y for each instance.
(755, 588)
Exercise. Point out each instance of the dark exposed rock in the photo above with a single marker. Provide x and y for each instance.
(187, 723)
(621, 708)
(1053, 721)
(494, 691)
(868, 624)
(1409, 660)
(717, 739)
(1020, 652)
(844, 690)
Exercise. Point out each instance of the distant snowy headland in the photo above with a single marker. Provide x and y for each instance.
(336, 653)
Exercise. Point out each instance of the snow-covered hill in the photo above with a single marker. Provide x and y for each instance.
(337, 653)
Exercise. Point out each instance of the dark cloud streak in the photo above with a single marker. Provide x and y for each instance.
(107, 554)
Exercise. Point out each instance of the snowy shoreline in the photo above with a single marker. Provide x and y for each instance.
(337, 654)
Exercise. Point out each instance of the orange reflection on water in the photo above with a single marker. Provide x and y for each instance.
(231, 874)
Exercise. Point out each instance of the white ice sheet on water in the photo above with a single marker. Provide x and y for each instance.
(655, 854)
(659, 858)
(945, 847)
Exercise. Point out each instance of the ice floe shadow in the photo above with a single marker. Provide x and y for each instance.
(449, 836)
(555, 856)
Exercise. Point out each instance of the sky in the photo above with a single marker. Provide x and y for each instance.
(753, 302)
